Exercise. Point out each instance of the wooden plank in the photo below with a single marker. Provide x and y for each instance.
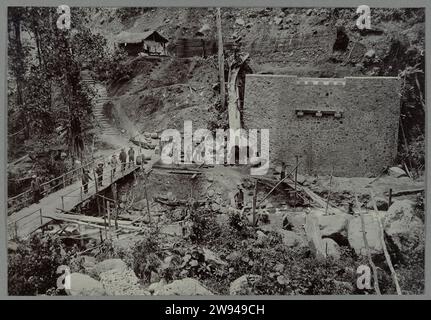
(70, 216)
(385, 250)
(406, 192)
(367, 247)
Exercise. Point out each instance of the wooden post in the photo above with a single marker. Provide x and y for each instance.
(109, 218)
(296, 179)
(81, 193)
(329, 192)
(253, 210)
(114, 195)
(98, 205)
(390, 198)
(41, 219)
(62, 202)
(146, 198)
(220, 59)
(385, 250)
(367, 247)
(104, 215)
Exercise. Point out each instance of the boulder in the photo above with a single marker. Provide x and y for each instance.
(334, 225)
(156, 286)
(244, 285)
(381, 203)
(154, 277)
(12, 246)
(234, 255)
(183, 287)
(355, 235)
(295, 220)
(89, 263)
(278, 20)
(84, 285)
(240, 21)
(396, 172)
(261, 237)
(110, 264)
(290, 238)
(370, 54)
(402, 224)
(314, 238)
(121, 283)
(331, 248)
(210, 256)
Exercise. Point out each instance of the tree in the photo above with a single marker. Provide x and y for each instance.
(55, 72)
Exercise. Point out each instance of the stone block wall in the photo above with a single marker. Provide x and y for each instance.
(348, 124)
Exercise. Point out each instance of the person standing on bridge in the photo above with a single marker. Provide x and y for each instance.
(113, 163)
(131, 156)
(36, 189)
(99, 172)
(85, 180)
(123, 159)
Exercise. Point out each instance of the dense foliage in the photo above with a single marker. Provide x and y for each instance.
(32, 269)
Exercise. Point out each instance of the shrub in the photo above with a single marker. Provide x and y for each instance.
(144, 258)
(32, 268)
(288, 271)
(204, 226)
(415, 154)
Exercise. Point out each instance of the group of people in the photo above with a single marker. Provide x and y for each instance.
(123, 158)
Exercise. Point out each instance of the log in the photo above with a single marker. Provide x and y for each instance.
(406, 192)
(18, 160)
(62, 216)
(367, 247)
(385, 250)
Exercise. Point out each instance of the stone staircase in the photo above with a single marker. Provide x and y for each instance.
(101, 98)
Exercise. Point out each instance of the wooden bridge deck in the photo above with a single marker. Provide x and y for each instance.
(27, 220)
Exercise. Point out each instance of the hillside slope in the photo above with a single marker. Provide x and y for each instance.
(319, 42)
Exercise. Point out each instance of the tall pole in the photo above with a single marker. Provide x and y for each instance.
(220, 59)
(146, 198)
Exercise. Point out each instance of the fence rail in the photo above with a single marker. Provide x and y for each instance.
(113, 174)
(25, 198)
(13, 225)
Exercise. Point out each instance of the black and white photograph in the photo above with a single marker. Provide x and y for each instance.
(215, 151)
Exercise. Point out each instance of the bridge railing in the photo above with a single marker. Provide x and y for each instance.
(12, 227)
(108, 177)
(25, 198)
